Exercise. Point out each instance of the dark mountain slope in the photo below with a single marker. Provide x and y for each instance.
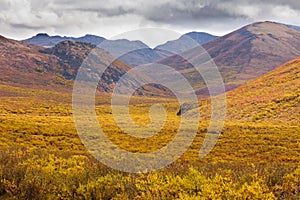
(28, 65)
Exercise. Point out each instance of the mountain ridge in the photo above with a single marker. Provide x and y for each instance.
(133, 52)
(43, 39)
(242, 55)
(130, 52)
(185, 42)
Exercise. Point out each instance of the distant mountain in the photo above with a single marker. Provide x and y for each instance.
(293, 27)
(92, 39)
(43, 39)
(28, 65)
(185, 42)
(141, 57)
(132, 53)
(244, 54)
(201, 37)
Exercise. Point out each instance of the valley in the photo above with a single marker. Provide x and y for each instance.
(256, 156)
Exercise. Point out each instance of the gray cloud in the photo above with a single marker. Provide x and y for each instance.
(22, 18)
(186, 11)
(220, 11)
(118, 11)
(24, 26)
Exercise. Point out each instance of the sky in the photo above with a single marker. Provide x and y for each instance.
(20, 19)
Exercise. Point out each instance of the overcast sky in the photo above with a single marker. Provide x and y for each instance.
(21, 19)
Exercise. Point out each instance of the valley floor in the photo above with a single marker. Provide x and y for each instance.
(42, 157)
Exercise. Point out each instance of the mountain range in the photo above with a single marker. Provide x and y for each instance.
(28, 65)
(132, 53)
(43, 39)
(242, 55)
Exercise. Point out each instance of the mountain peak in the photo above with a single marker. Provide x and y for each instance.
(261, 23)
(245, 48)
(185, 42)
(268, 29)
(42, 35)
(265, 22)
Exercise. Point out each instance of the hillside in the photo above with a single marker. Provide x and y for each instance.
(255, 49)
(23, 64)
(273, 97)
(244, 54)
(70, 56)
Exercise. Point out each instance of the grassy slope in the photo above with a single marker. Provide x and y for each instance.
(274, 97)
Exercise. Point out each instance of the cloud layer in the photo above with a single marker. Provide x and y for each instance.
(22, 18)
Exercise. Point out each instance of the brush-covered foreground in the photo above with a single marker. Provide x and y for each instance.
(42, 156)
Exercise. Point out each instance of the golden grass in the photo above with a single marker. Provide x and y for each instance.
(42, 156)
